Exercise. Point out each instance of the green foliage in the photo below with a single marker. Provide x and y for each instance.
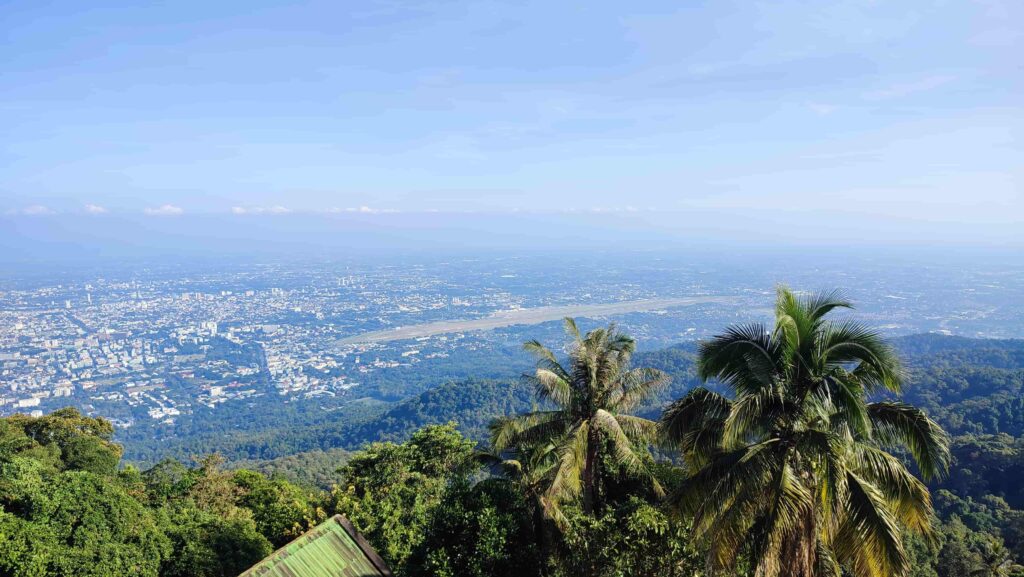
(434, 505)
(635, 537)
(282, 511)
(478, 531)
(592, 397)
(310, 469)
(208, 545)
(63, 440)
(25, 547)
(792, 468)
(65, 509)
(390, 491)
(76, 523)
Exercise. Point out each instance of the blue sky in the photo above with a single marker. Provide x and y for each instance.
(905, 115)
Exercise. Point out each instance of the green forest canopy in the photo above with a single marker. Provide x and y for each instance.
(432, 502)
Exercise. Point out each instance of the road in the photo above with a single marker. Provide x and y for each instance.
(530, 316)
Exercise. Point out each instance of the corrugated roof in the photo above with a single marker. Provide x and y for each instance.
(331, 549)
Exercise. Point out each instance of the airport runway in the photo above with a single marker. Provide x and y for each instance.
(530, 316)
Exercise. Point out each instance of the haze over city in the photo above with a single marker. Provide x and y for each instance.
(427, 124)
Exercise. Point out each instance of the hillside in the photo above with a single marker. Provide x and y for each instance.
(968, 385)
(416, 498)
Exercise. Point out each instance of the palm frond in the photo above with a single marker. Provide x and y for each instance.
(827, 565)
(528, 429)
(641, 432)
(827, 451)
(848, 342)
(571, 329)
(755, 414)
(899, 424)
(868, 541)
(623, 450)
(546, 359)
(567, 483)
(782, 524)
(713, 487)
(636, 386)
(548, 385)
(908, 497)
(725, 507)
(694, 423)
(820, 304)
(842, 395)
(745, 357)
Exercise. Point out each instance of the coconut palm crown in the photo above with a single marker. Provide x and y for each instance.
(591, 397)
(792, 467)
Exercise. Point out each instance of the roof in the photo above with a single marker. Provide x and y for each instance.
(331, 549)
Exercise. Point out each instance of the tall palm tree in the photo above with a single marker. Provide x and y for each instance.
(591, 398)
(793, 466)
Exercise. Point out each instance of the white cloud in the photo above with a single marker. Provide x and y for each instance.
(601, 209)
(369, 210)
(32, 210)
(164, 210)
(360, 210)
(277, 209)
(95, 209)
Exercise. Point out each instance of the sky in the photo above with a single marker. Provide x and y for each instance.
(846, 121)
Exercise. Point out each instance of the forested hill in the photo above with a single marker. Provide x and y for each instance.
(973, 388)
(69, 506)
(967, 385)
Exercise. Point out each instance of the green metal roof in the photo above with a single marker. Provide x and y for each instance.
(331, 549)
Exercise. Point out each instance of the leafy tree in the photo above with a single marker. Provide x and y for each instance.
(213, 489)
(64, 438)
(390, 491)
(76, 523)
(530, 470)
(282, 511)
(995, 561)
(592, 397)
(481, 530)
(793, 468)
(632, 537)
(207, 545)
(959, 556)
(25, 547)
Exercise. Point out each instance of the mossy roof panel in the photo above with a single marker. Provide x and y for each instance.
(331, 549)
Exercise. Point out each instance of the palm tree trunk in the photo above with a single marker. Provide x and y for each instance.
(590, 475)
(540, 534)
(799, 554)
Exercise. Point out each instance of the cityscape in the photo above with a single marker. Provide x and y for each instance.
(148, 347)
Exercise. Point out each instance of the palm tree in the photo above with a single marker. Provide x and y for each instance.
(794, 468)
(996, 560)
(592, 397)
(531, 470)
